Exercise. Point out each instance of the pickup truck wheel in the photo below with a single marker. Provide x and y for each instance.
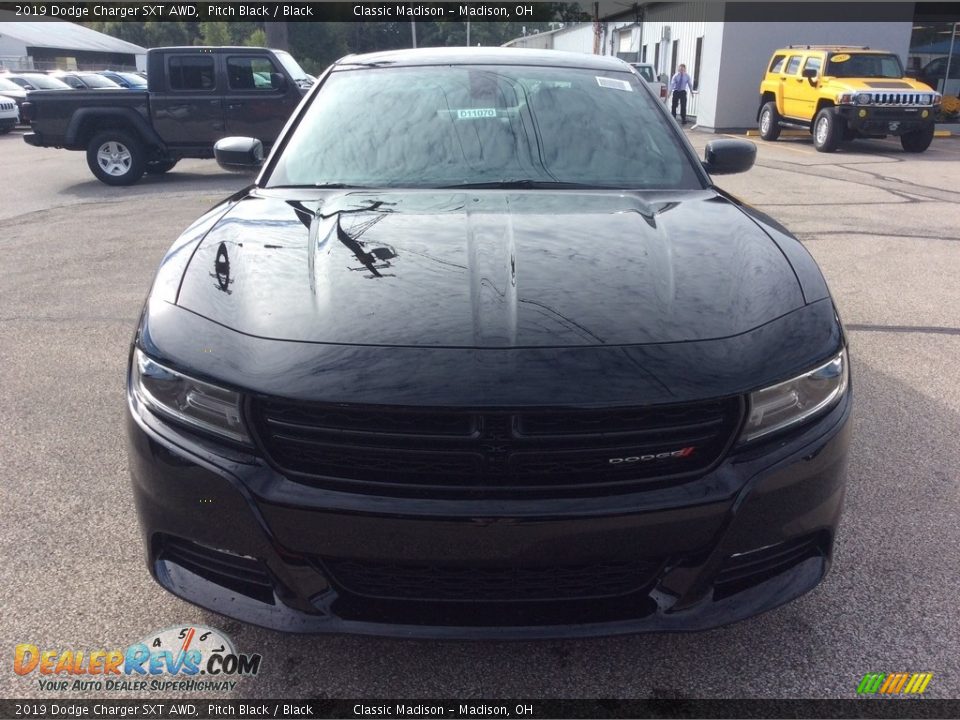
(769, 122)
(918, 140)
(160, 167)
(827, 130)
(116, 157)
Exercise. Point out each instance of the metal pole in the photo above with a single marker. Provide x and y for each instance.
(946, 71)
(468, 33)
(413, 32)
(640, 24)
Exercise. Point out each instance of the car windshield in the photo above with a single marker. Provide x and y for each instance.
(97, 81)
(133, 79)
(484, 125)
(44, 82)
(864, 65)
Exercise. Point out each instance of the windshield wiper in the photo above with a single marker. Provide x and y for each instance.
(529, 185)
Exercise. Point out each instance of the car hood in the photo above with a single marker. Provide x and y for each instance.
(880, 84)
(488, 269)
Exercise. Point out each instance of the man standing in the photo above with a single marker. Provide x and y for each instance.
(679, 84)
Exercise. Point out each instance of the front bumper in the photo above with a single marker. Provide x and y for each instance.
(227, 532)
(887, 120)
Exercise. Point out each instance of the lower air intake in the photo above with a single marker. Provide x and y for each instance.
(242, 575)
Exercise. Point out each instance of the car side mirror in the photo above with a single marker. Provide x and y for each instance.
(238, 154)
(279, 81)
(729, 156)
(810, 74)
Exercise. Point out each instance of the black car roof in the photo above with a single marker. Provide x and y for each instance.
(484, 56)
(207, 49)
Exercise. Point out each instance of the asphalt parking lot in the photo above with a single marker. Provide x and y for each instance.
(77, 258)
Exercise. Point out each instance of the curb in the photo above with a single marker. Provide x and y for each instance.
(783, 133)
(804, 133)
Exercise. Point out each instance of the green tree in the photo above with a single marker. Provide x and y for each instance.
(215, 33)
(258, 38)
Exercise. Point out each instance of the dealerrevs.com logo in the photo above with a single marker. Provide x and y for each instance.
(177, 659)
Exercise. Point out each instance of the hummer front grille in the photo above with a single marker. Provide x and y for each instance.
(897, 98)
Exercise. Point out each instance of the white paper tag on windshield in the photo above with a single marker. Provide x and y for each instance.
(614, 84)
(472, 113)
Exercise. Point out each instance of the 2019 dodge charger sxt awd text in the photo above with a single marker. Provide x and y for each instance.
(484, 352)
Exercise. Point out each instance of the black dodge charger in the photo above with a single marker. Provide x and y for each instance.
(484, 352)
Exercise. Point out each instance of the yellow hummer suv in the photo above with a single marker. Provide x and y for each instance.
(841, 93)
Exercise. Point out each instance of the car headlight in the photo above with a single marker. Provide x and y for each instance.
(845, 98)
(863, 98)
(194, 403)
(801, 398)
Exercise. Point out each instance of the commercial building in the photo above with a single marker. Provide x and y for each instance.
(726, 45)
(58, 45)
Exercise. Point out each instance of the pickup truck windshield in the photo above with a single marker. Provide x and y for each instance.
(291, 66)
(864, 65)
(484, 125)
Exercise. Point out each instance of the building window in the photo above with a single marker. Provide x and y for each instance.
(673, 57)
(696, 63)
(656, 58)
(643, 55)
(934, 57)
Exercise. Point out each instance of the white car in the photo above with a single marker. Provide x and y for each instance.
(9, 114)
(649, 74)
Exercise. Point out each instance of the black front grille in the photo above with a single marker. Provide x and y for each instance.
(426, 582)
(243, 575)
(393, 450)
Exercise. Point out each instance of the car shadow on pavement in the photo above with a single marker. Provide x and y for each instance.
(172, 181)
(942, 149)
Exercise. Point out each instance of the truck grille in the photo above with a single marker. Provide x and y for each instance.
(484, 453)
(7, 106)
(899, 98)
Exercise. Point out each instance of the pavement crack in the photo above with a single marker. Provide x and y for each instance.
(922, 329)
(814, 235)
(47, 318)
(821, 171)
